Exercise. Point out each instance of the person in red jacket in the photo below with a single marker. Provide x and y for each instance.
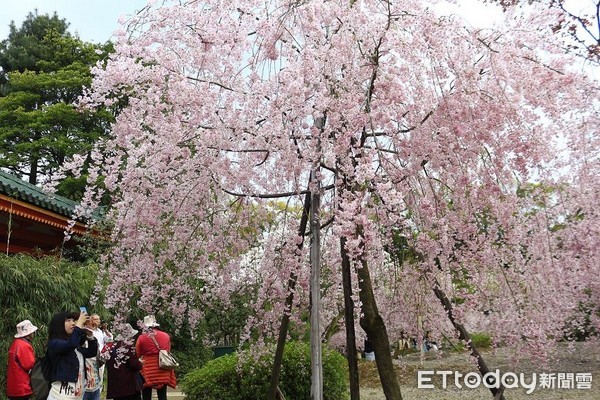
(154, 376)
(21, 358)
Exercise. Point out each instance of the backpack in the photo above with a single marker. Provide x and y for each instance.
(41, 376)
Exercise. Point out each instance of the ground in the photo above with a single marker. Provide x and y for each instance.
(582, 358)
(576, 362)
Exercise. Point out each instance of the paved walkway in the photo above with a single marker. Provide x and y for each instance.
(173, 394)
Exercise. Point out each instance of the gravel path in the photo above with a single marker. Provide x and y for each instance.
(573, 365)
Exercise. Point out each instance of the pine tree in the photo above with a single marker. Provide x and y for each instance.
(44, 71)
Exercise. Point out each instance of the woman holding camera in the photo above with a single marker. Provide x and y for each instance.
(66, 336)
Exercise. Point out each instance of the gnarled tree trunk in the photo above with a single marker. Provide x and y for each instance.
(349, 322)
(373, 325)
(464, 335)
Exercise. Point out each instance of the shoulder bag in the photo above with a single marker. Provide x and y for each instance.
(165, 358)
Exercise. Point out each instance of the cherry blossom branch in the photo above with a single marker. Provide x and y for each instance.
(210, 83)
(583, 22)
(289, 301)
(274, 195)
(543, 65)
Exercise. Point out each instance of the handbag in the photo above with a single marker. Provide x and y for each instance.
(165, 358)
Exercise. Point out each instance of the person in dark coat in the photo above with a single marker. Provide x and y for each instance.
(123, 367)
(369, 351)
(67, 353)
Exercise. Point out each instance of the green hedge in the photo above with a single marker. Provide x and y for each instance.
(239, 376)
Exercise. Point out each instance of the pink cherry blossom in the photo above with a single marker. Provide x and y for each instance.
(477, 147)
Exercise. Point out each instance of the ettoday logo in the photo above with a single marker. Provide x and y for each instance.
(509, 380)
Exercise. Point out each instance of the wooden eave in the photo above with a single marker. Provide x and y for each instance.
(38, 214)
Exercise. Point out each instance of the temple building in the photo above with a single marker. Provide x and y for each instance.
(33, 221)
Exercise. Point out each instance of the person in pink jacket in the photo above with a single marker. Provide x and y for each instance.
(21, 358)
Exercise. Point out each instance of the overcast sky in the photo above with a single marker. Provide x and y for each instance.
(93, 20)
(96, 20)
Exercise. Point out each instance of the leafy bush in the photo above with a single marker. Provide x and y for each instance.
(239, 376)
(296, 374)
(36, 289)
(481, 340)
(216, 380)
(579, 326)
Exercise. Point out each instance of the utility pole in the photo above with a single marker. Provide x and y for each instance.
(316, 360)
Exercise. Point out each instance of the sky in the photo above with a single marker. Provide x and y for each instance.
(96, 20)
(93, 20)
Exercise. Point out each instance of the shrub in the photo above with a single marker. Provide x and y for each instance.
(216, 380)
(481, 340)
(240, 376)
(579, 326)
(296, 373)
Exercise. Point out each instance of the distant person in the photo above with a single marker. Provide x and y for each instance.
(147, 347)
(404, 341)
(402, 345)
(93, 379)
(100, 331)
(103, 336)
(429, 343)
(21, 358)
(67, 353)
(123, 367)
(369, 351)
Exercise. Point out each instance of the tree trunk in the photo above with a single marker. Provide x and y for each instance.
(497, 394)
(33, 169)
(285, 319)
(333, 327)
(374, 327)
(349, 322)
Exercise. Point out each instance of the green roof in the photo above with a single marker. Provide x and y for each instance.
(17, 188)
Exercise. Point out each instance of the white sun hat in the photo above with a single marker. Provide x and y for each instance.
(25, 328)
(127, 332)
(150, 321)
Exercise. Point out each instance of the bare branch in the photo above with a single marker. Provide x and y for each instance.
(273, 195)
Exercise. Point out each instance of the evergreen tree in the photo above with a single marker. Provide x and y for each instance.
(44, 71)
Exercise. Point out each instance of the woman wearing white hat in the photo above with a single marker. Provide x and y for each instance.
(148, 346)
(21, 358)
